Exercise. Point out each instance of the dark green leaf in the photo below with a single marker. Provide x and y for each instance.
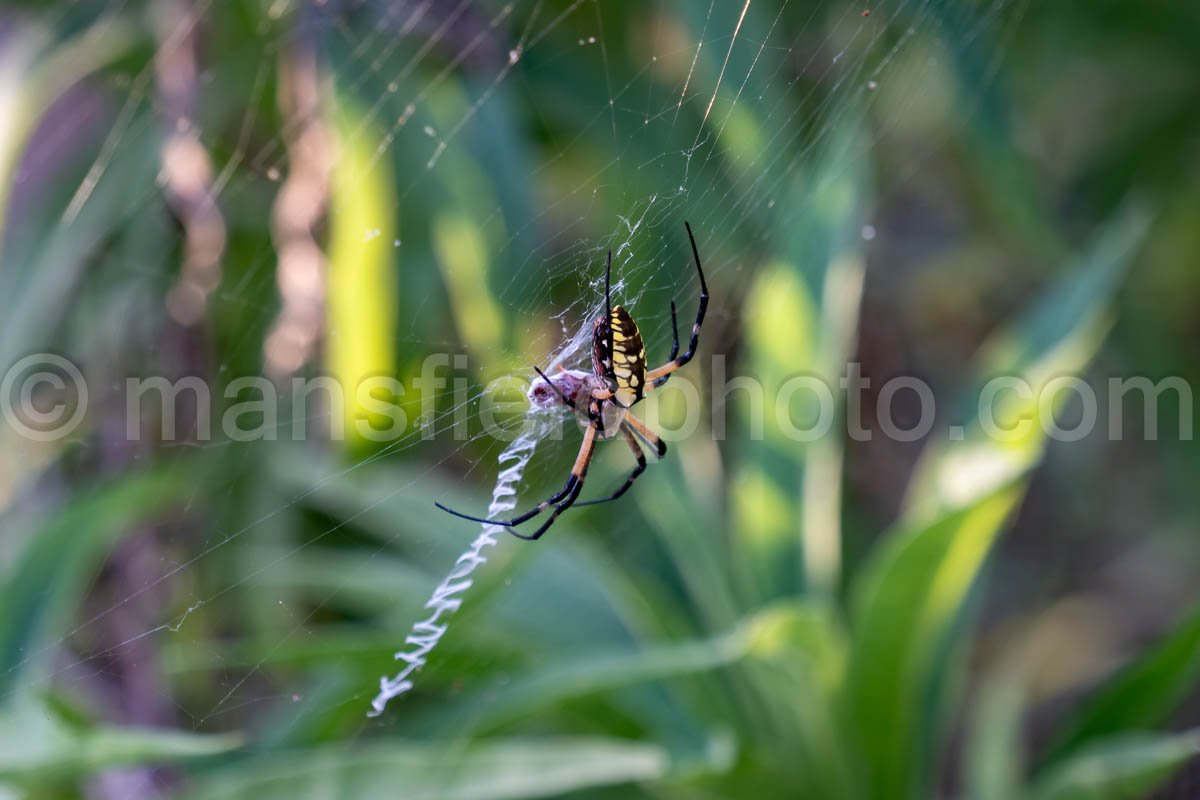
(1119, 768)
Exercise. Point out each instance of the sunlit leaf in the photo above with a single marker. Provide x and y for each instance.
(362, 284)
(1057, 336)
(908, 602)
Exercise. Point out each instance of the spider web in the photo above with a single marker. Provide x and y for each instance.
(718, 125)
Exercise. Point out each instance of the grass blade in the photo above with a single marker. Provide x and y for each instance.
(1140, 695)
(512, 768)
(908, 602)
(1058, 335)
(36, 746)
(1129, 766)
(43, 588)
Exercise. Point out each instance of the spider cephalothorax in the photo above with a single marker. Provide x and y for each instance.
(619, 380)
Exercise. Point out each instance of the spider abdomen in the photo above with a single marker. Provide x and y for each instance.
(626, 363)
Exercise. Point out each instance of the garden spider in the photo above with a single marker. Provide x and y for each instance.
(618, 381)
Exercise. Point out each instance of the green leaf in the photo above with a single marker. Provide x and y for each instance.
(44, 586)
(799, 651)
(994, 763)
(909, 600)
(598, 595)
(801, 313)
(42, 72)
(784, 631)
(1129, 766)
(1005, 182)
(804, 633)
(361, 280)
(1139, 696)
(497, 770)
(36, 745)
(60, 259)
(602, 671)
(1057, 335)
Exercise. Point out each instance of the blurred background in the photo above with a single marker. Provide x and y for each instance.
(225, 197)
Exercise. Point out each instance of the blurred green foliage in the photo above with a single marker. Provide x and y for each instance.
(759, 617)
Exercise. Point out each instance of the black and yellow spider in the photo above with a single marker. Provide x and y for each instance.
(618, 381)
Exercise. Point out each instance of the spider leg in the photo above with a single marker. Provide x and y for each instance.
(578, 474)
(610, 377)
(674, 344)
(593, 410)
(557, 390)
(656, 375)
(638, 469)
(644, 433)
(570, 492)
